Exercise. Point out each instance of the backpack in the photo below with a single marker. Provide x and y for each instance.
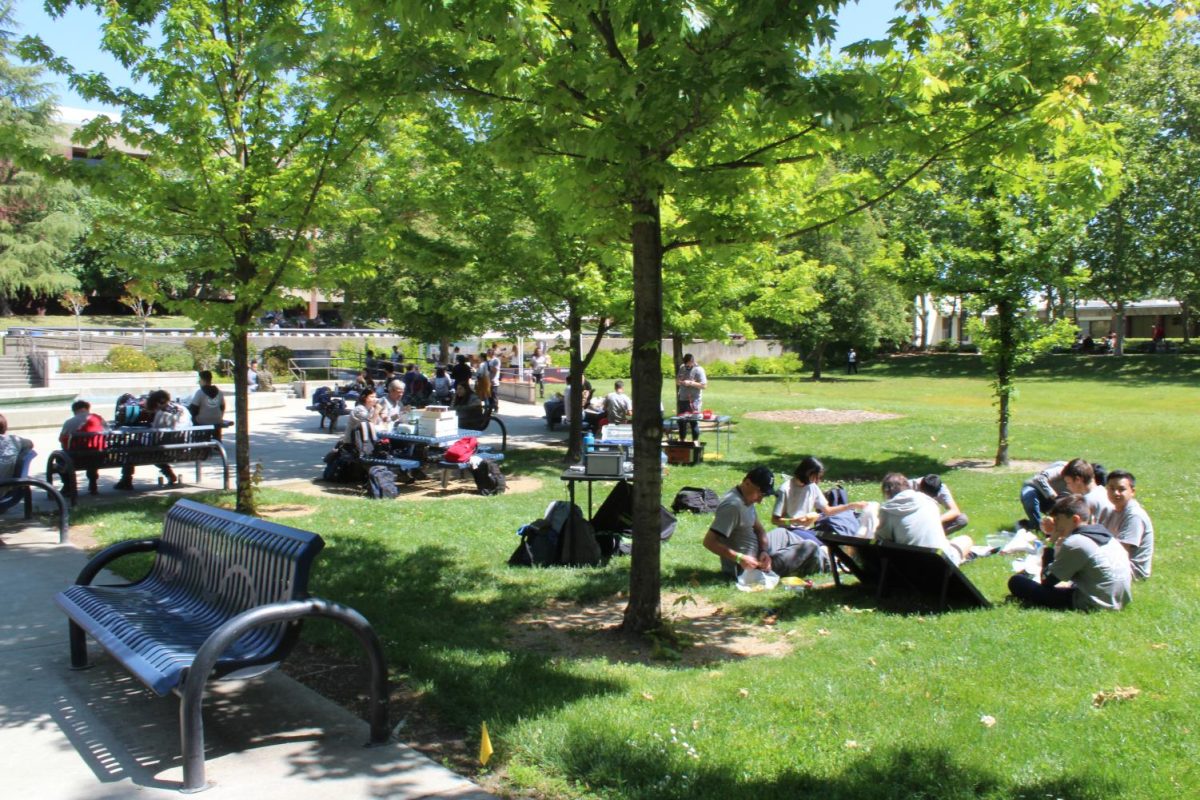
(321, 396)
(342, 465)
(539, 546)
(131, 411)
(489, 479)
(381, 484)
(837, 496)
(563, 537)
(695, 500)
(461, 451)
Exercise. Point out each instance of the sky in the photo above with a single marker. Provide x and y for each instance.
(76, 35)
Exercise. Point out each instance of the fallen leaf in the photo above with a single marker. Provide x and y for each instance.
(695, 724)
(822, 632)
(1118, 694)
(987, 720)
(871, 661)
(851, 744)
(647, 696)
(1159, 646)
(743, 692)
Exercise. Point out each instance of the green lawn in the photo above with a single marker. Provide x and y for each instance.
(870, 702)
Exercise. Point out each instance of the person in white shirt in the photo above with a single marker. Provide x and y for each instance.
(539, 362)
(1080, 477)
(391, 408)
(207, 405)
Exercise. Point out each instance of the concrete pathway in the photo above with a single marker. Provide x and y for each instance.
(98, 734)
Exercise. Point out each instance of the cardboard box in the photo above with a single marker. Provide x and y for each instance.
(439, 412)
(682, 453)
(437, 427)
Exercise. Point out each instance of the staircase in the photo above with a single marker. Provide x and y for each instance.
(14, 373)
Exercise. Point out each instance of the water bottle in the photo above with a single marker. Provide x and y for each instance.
(589, 442)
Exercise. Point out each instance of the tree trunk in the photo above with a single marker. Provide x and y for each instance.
(922, 322)
(1120, 351)
(1185, 315)
(817, 356)
(962, 323)
(644, 610)
(444, 356)
(241, 405)
(1004, 377)
(676, 351)
(575, 381)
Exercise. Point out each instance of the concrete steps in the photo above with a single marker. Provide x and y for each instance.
(14, 373)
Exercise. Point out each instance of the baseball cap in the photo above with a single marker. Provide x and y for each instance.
(764, 479)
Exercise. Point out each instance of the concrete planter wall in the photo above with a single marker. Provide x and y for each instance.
(517, 391)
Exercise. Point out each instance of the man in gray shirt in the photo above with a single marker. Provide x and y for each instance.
(690, 382)
(1088, 556)
(739, 539)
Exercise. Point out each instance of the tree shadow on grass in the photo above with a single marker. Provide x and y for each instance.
(606, 761)
(448, 629)
(848, 470)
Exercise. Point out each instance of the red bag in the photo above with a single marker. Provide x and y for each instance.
(94, 424)
(462, 450)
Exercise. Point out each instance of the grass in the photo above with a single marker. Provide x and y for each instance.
(93, 321)
(871, 702)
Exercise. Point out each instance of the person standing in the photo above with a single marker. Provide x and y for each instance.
(539, 363)
(691, 382)
(852, 362)
(207, 405)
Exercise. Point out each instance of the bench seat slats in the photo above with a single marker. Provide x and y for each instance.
(210, 566)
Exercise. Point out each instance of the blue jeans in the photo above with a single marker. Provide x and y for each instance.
(1034, 504)
(1032, 593)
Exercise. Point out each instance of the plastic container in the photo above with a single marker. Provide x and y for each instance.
(589, 441)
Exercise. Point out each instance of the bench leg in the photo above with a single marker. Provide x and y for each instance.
(78, 639)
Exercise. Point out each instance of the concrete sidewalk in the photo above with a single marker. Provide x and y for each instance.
(98, 734)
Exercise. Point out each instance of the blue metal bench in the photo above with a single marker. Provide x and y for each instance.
(476, 419)
(134, 447)
(224, 598)
(19, 489)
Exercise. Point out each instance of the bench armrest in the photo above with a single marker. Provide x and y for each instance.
(112, 553)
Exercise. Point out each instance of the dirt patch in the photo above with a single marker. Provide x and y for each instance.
(708, 633)
(419, 490)
(285, 510)
(989, 465)
(821, 416)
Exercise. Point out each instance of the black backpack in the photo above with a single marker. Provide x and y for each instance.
(540, 546)
(342, 465)
(837, 496)
(381, 484)
(563, 537)
(695, 500)
(488, 478)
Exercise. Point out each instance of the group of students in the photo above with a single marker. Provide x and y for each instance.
(1100, 537)
(156, 410)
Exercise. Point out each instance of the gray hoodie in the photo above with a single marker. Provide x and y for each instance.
(914, 518)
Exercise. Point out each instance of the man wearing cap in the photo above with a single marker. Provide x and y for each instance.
(738, 538)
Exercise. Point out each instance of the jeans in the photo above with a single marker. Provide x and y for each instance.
(1034, 504)
(1032, 593)
(685, 407)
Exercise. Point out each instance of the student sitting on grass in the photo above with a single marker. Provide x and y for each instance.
(952, 517)
(911, 517)
(1088, 556)
(1129, 522)
(1081, 478)
(801, 502)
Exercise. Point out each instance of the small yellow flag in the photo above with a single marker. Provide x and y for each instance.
(485, 746)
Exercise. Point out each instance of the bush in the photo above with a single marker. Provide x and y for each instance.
(205, 353)
(171, 358)
(126, 359)
(608, 365)
(275, 359)
(720, 369)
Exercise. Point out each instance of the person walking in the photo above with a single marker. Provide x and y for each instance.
(852, 362)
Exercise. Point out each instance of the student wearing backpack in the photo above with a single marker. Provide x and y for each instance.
(168, 415)
(84, 421)
(800, 501)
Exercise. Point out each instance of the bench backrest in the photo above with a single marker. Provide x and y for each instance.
(226, 563)
(140, 446)
(16, 493)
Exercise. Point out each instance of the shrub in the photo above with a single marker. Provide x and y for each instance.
(275, 359)
(126, 359)
(756, 365)
(720, 369)
(170, 358)
(205, 353)
(608, 365)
